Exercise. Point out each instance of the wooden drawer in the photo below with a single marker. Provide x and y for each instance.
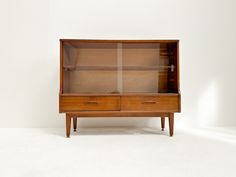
(150, 103)
(89, 103)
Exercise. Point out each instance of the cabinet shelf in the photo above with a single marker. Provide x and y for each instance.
(111, 68)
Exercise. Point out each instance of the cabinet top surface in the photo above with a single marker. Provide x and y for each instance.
(123, 40)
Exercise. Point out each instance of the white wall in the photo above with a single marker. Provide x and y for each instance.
(29, 53)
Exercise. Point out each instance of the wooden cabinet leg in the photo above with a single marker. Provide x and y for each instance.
(171, 123)
(68, 125)
(162, 122)
(75, 123)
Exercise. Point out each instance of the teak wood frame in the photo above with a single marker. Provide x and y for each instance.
(94, 105)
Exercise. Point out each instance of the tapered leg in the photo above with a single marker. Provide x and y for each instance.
(68, 125)
(162, 122)
(75, 123)
(171, 123)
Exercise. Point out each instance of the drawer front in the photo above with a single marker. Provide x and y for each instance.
(150, 103)
(89, 103)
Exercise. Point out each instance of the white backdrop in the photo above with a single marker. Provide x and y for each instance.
(29, 54)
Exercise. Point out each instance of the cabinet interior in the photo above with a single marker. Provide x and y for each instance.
(119, 67)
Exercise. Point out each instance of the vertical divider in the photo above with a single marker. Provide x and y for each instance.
(119, 68)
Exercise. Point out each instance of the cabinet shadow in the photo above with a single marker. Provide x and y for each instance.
(100, 131)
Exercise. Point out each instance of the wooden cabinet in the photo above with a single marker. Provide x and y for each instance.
(119, 78)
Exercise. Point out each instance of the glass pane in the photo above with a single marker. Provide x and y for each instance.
(149, 67)
(141, 64)
(140, 81)
(141, 54)
(90, 67)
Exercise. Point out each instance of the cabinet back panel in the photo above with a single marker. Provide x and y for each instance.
(140, 81)
(91, 54)
(92, 82)
(141, 54)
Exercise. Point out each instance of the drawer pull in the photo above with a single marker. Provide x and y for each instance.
(149, 102)
(91, 102)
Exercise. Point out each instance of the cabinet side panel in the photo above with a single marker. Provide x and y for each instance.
(61, 67)
(178, 66)
(173, 72)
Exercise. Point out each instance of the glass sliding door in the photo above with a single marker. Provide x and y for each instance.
(140, 67)
(90, 67)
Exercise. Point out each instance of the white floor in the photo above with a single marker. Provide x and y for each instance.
(121, 152)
